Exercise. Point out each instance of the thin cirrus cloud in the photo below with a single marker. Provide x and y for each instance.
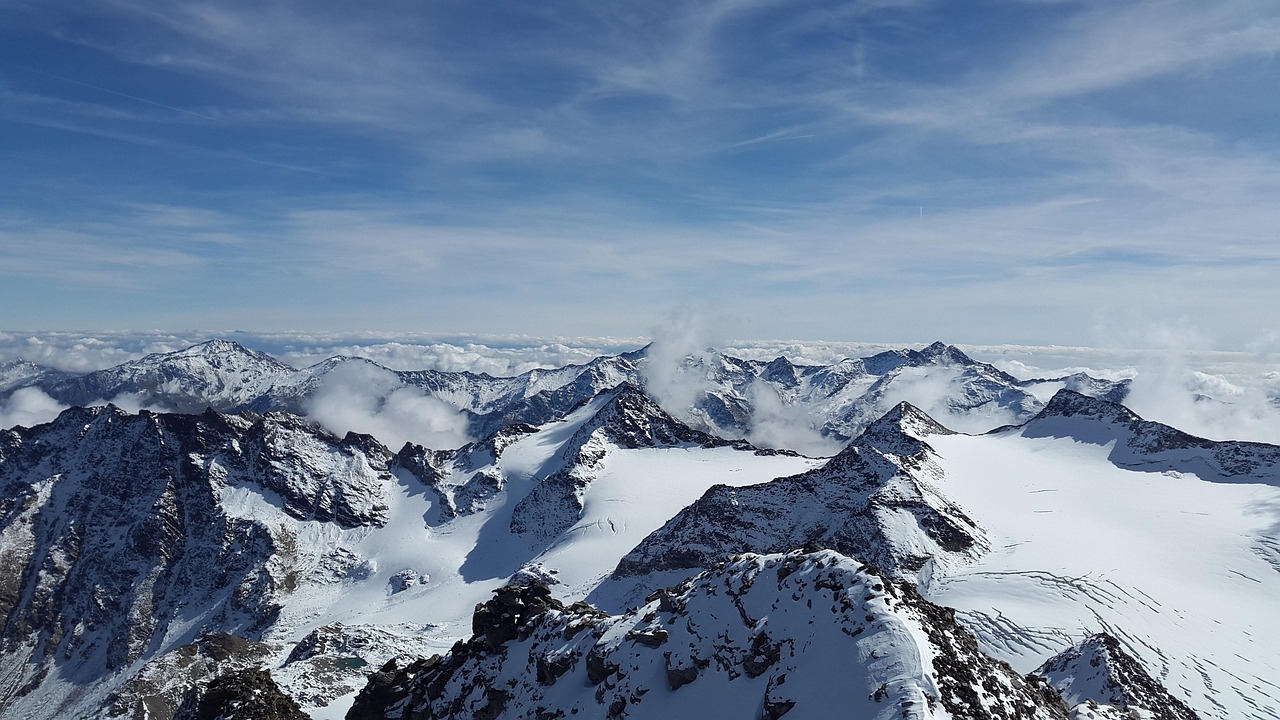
(436, 167)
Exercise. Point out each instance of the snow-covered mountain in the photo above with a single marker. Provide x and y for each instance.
(813, 635)
(1108, 682)
(159, 561)
(1085, 519)
(219, 373)
(129, 537)
(762, 401)
(19, 373)
(875, 499)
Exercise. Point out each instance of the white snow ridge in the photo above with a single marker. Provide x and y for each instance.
(596, 553)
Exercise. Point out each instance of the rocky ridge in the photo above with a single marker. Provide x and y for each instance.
(875, 499)
(805, 635)
(1098, 678)
(117, 527)
(1151, 446)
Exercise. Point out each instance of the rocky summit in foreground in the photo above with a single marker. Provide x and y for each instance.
(802, 635)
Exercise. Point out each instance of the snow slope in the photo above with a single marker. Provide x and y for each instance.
(1091, 535)
(1090, 520)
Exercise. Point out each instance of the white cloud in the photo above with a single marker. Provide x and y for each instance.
(776, 424)
(680, 356)
(363, 398)
(28, 407)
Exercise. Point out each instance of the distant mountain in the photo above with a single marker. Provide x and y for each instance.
(1150, 446)
(875, 499)
(732, 398)
(19, 373)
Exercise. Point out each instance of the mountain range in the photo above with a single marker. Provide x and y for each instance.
(597, 549)
(720, 394)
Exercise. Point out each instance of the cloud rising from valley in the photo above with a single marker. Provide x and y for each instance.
(361, 397)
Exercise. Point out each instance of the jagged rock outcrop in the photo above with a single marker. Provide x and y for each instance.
(114, 523)
(1097, 676)
(158, 690)
(248, 694)
(874, 499)
(805, 635)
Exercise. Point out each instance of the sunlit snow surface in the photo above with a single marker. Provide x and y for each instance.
(634, 492)
(1184, 571)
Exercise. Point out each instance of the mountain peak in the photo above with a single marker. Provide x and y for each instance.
(720, 639)
(942, 352)
(1069, 403)
(901, 431)
(1099, 670)
(632, 419)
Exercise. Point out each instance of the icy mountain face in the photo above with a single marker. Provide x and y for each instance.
(730, 397)
(1098, 671)
(218, 373)
(876, 498)
(1144, 445)
(627, 419)
(1103, 522)
(19, 373)
(124, 535)
(813, 635)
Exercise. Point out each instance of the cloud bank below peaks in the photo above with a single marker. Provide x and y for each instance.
(361, 397)
(27, 407)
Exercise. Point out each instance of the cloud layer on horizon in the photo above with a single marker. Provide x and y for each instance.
(1215, 394)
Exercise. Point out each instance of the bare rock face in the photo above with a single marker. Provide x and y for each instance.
(248, 694)
(114, 523)
(806, 635)
(162, 685)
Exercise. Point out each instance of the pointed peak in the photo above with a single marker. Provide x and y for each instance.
(901, 431)
(1099, 670)
(939, 351)
(216, 346)
(912, 420)
(632, 419)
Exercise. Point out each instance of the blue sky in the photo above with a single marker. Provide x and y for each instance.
(1030, 171)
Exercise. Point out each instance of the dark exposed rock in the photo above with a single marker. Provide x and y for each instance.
(115, 522)
(502, 618)
(248, 694)
(387, 688)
